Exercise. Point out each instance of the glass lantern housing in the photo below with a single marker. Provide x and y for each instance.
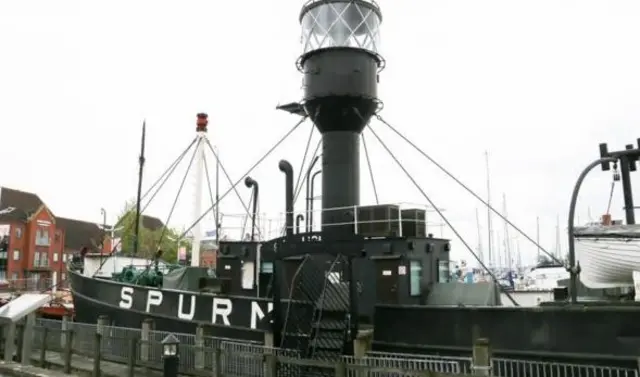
(340, 23)
(170, 349)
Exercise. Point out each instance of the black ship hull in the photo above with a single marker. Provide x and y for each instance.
(125, 305)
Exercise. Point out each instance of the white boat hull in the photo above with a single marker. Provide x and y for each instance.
(608, 256)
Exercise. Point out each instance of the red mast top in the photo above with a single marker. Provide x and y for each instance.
(202, 122)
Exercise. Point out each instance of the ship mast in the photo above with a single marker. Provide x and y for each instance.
(489, 214)
(538, 238)
(480, 251)
(136, 241)
(558, 247)
(507, 240)
(201, 131)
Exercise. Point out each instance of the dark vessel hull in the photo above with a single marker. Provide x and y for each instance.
(241, 318)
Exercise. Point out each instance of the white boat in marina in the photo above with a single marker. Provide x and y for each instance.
(608, 254)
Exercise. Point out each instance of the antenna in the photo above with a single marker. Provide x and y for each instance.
(340, 64)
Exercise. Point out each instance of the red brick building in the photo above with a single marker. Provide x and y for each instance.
(36, 243)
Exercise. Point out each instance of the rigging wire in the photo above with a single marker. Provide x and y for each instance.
(206, 173)
(247, 218)
(440, 213)
(260, 160)
(373, 181)
(304, 159)
(175, 200)
(164, 178)
(168, 172)
(233, 187)
(466, 188)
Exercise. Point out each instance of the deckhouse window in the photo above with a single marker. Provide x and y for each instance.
(248, 273)
(443, 271)
(266, 267)
(415, 277)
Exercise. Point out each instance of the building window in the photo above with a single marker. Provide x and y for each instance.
(55, 257)
(3, 275)
(57, 236)
(415, 277)
(14, 276)
(40, 259)
(18, 232)
(3, 255)
(64, 276)
(16, 254)
(42, 236)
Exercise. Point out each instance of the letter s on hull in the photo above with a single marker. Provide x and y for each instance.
(126, 297)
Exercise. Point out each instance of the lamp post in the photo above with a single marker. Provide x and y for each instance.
(170, 357)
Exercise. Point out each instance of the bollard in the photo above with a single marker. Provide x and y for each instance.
(481, 357)
(170, 356)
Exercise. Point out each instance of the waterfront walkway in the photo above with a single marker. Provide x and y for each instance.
(80, 366)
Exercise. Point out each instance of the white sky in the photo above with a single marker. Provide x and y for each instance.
(538, 84)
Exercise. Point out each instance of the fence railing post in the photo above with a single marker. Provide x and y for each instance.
(97, 354)
(19, 339)
(481, 357)
(65, 326)
(27, 338)
(131, 361)
(145, 339)
(341, 369)
(217, 359)
(43, 348)
(10, 341)
(198, 358)
(68, 351)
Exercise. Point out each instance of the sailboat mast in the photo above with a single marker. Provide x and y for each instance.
(480, 251)
(558, 247)
(538, 237)
(507, 240)
(141, 159)
(489, 217)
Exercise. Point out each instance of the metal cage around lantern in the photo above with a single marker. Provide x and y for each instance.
(340, 23)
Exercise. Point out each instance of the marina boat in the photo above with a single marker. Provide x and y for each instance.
(608, 255)
(324, 277)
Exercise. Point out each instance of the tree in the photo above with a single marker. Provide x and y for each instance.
(150, 240)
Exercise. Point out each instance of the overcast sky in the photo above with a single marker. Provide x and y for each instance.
(537, 84)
